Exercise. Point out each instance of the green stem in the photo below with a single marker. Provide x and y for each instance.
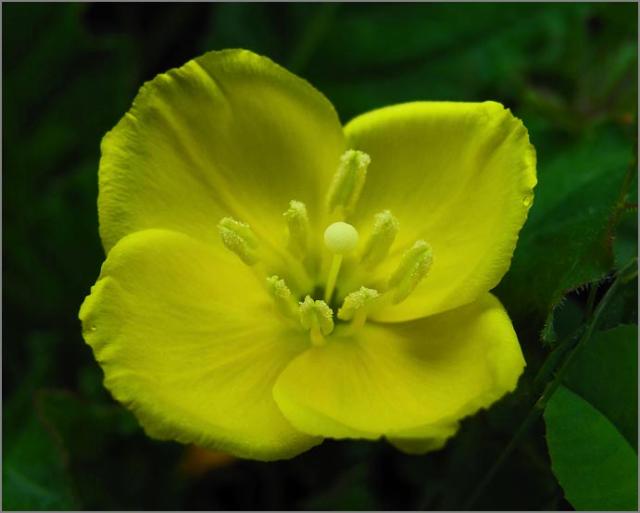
(552, 361)
(538, 407)
(591, 301)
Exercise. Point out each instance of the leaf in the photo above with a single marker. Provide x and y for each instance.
(623, 308)
(34, 471)
(84, 428)
(113, 465)
(595, 465)
(605, 374)
(625, 246)
(380, 54)
(565, 242)
(592, 423)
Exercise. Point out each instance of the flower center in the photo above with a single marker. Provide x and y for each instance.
(325, 301)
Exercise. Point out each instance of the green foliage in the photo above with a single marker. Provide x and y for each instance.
(593, 462)
(34, 472)
(605, 373)
(592, 424)
(568, 70)
(66, 91)
(566, 240)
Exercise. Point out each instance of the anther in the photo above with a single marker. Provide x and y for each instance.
(339, 238)
(348, 181)
(239, 238)
(282, 295)
(414, 265)
(356, 306)
(298, 224)
(385, 229)
(356, 301)
(317, 317)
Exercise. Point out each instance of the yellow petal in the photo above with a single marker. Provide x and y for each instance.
(458, 175)
(228, 134)
(190, 342)
(424, 439)
(402, 379)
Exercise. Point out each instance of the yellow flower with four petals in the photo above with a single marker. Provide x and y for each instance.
(273, 278)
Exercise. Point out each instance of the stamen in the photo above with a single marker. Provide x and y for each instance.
(317, 317)
(282, 295)
(348, 181)
(413, 267)
(239, 238)
(356, 306)
(298, 224)
(340, 238)
(385, 229)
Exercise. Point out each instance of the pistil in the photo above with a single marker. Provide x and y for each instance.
(339, 238)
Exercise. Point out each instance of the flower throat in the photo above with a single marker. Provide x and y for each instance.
(326, 301)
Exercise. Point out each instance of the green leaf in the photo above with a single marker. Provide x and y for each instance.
(605, 374)
(623, 308)
(625, 244)
(593, 462)
(592, 423)
(566, 240)
(34, 471)
(109, 458)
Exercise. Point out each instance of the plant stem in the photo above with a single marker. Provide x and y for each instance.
(593, 319)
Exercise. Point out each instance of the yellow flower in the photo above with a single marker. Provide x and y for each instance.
(273, 278)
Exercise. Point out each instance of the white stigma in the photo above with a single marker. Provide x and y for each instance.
(340, 238)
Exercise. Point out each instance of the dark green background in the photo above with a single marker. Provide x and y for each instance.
(71, 71)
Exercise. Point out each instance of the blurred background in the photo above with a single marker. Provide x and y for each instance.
(70, 71)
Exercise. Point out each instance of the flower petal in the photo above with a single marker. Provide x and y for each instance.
(458, 175)
(404, 380)
(191, 343)
(228, 134)
(425, 439)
